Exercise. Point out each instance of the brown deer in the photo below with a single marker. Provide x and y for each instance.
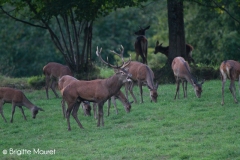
(142, 75)
(141, 44)
(230, 69)
(97, 91)
(17, 98)
(182, 73)
(53, 71)
(165, 51)
(62, 83)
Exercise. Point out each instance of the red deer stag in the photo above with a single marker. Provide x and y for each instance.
(97, 91)
(62, 83)
(17, 98)
(165, 51)
(141, 44)
(230, 69)
(142, 75)
(182, 73)
(53, 71)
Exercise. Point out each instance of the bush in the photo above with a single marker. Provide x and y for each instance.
(36, 82)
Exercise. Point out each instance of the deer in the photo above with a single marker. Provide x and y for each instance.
(182, 73)
(142, 75)
(165, 51)
(17, 98)
(53, 71)
(62, 83)
(123, 100)
(96, 91)
(230, 69)
(141, 44)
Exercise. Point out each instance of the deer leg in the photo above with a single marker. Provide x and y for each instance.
(233, 90)
(53, 85)
(130, 88)
(141, 91)
(63, 108)
(114, 103)
(95, 110)
(109, 105)
(47, 85)
(186, 87)
(223, 77)
(100, 114)
(74, 114)
(22, 112)
(1, 111)
(177, 89)
(13, 111)
(69, 110)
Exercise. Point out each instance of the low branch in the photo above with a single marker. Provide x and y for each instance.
(19, 20)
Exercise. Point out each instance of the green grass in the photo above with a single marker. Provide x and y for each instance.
(190, 128)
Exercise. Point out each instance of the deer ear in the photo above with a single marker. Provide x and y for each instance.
(157, 43)
(203, 81)
(147, 27)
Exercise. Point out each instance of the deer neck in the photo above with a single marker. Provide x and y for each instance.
(149, 79)
(113, 84)
(27, 103)
(188, 76)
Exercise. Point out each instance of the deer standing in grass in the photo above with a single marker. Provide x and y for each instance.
(97, 91)
(53, 71)
(17, 98)
(182, 73)
(141, 44)
(62, 83)
(230, 69)
(142, 75)
(165, 51)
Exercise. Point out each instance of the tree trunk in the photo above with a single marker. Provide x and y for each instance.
(176, 30)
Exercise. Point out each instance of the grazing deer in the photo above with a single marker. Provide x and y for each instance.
(17, 98)
(230, 69)
(142, 75)
(165, 51)
(141, 44)
(182, 73)
(53, 71)
(62, 83)
(97, 91)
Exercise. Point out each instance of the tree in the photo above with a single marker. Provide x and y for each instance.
(69, 23)
(176, 30)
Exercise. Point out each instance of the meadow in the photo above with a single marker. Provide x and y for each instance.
(186, 128)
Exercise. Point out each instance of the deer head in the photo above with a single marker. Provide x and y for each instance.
(160, 48)
(35, 111)
(153, 93)
(197, 88)
(141, 31)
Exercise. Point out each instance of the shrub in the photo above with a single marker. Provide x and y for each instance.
(36, 82)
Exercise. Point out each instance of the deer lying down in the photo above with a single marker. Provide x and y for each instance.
(17, 98)
(230, 69)
(182, 73)
(62, 83)
(53, 71)
(123, 100)
(97, 91)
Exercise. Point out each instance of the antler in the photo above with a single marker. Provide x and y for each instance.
(98, 53)
(121, 55)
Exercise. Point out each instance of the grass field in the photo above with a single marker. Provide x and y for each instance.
(189, 128)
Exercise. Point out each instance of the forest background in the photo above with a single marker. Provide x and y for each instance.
(213, 34)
